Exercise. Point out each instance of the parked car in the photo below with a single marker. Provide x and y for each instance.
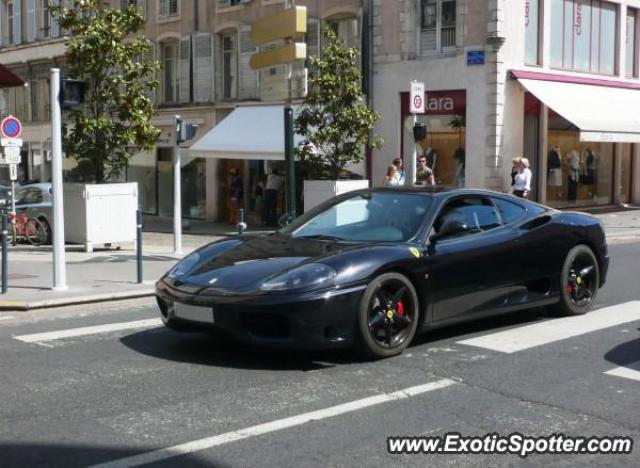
(36, 201)
(372, 268)
(5, 193)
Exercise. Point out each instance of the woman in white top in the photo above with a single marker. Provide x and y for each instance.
(391, 179)
(522, 180)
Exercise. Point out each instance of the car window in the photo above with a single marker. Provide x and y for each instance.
(478, 213)
(509, 211)
(28, 196)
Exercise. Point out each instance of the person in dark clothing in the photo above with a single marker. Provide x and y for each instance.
(236, 188)
(274, 183)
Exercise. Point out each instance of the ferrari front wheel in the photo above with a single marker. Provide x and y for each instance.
(388, 316)
(579, 282)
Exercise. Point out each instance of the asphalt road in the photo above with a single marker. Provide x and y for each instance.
(132, 391)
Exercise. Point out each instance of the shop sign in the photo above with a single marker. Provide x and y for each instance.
(438, 103)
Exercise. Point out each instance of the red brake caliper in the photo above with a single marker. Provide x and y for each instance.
(400, 309)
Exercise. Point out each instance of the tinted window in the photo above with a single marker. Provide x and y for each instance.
(477, 213)
(28, 196)
(370, 217)
(509, 212)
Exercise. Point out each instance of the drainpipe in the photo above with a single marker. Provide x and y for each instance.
(367, 54)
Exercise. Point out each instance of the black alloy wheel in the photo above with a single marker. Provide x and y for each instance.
(388, 316)
(580, 279)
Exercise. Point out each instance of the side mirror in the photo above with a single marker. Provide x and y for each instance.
(286, 219)
(451, 227)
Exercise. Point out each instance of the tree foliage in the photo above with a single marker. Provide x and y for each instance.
(334, 119)
(105, 53)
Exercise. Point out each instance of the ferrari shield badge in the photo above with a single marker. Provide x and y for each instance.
(415, 252)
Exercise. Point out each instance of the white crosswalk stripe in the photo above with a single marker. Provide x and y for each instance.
(549, 331)
(84, 331)
(631, 371)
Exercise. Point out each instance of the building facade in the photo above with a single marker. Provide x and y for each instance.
(551, 80)
(203, 48)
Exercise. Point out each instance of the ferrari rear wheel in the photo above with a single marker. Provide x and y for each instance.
(579, 282)
(388, 316)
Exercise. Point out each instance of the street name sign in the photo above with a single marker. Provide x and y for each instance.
(11, 127)
(417, 98)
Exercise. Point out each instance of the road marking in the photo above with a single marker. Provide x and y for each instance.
(6, 317)
(626, 372)
(93, 330)
(273, 426)
(549, 331)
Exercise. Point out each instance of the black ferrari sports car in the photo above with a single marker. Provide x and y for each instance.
(372, 268)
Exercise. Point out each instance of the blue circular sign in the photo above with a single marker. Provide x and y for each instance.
(11, 127)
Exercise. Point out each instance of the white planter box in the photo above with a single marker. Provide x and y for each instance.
(318, 191)
(100, 213)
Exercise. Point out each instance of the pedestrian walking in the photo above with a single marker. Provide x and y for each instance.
(515, 164)
(274, 183)
(391, 178)
(400, 176)
(236, 190)
(424, 174)
(522, 179)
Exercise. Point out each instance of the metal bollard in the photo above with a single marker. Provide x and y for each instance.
(5, 241)
(139, 244)
(241, 224)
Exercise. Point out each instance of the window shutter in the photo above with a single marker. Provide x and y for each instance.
(203, 67)
(151, 55)
(17, 22)
(312, 37)
(248, 78)
(2, 17)
(184, 65)
(31, 20)
(55, 26)
(217, 66)
(142, 5)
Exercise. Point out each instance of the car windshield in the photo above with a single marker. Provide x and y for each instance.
(367, 217)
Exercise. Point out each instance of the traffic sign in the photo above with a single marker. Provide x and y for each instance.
(11, 127)
(13, 171)
(417, 98)
(11, 142)
(11, 155)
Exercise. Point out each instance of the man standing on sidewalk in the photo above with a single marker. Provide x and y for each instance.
(274, 182)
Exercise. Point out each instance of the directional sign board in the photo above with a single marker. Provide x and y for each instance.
(417, 97)
(13, 172)
(11, 127)
(288, 27)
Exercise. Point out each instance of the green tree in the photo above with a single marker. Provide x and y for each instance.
(104, 51)
(334, 118)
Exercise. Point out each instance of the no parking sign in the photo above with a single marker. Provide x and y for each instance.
(11, 127)
(417, 97)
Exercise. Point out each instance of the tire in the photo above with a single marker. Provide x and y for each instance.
(35, 232)
(47, 228)
(579, 282)
(386, 331)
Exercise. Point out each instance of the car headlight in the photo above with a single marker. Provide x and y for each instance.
(310, 274)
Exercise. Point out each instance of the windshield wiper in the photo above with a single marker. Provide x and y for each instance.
(321, 237)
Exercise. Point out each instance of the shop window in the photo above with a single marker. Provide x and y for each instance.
(170, 72)
(437, 26)
(631, 65)
(583, 35)
(578, 173)
(532, 31)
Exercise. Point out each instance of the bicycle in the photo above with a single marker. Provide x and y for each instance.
(29, 229)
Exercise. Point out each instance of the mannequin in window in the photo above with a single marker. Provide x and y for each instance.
(574, 162)
(589, 175)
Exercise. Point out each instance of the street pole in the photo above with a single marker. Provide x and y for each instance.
(410, 166)
(177, 194)
(5, 250)
(59, 267)
(289, 156)
(13, 196)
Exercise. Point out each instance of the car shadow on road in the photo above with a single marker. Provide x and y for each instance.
(625, 354)
(221, 351)
(21, 454)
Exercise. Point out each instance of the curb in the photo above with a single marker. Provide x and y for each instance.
(24, 306)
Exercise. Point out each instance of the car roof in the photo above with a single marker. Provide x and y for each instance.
(43, 186)
(437, 190)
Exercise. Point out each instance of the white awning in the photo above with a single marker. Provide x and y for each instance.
(255, 132)
(602, 113)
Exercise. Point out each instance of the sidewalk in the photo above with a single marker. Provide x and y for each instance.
(110, 274)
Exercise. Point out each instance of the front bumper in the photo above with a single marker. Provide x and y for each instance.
(311, 320)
